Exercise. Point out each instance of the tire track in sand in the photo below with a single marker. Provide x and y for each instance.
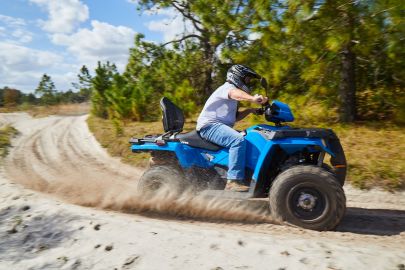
(53, 155)
(59, 155)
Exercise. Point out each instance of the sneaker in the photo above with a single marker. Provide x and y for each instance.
(234, 185)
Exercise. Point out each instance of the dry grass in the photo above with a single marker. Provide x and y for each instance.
(6, 133)
(43, 111)
(375, 153)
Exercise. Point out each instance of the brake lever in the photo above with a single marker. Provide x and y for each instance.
(259, 111)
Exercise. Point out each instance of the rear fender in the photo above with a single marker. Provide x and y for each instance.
(186, 155)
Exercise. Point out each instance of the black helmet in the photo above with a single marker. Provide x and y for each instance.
(237, 75)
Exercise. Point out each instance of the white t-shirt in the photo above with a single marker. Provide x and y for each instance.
(219, 108)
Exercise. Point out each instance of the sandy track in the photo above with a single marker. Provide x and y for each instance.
(58, 155)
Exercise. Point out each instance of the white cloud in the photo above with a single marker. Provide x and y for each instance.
(22, 67)
(22, 36)
(12, 21)
(21, 58)
(15, 30)
(172, 25)
(103, 42)
(63, 15)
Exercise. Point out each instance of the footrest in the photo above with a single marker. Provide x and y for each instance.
(227, 194)
(244, 199)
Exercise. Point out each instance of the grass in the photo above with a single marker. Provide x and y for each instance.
(376, 155)
(43, 111)
(6, 133)
(375, 152)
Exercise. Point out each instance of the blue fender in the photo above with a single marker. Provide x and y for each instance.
(186, 155)
(289, 146)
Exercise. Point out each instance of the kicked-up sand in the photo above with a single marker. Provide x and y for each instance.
(56, 167)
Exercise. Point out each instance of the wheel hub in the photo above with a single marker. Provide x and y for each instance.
(306, 201)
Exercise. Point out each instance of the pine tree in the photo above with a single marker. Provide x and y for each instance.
(101, 82)
(46, 90)
(84, 84)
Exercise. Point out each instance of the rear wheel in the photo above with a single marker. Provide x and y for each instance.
(164, 179)
(308, 197)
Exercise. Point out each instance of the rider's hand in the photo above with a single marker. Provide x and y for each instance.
(258, 111)
(259, 99)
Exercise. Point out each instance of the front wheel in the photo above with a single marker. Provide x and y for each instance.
(162, 180)
(309, 197)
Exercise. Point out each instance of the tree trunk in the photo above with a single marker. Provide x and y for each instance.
(348, 108)
(207, 82)
(208, 60)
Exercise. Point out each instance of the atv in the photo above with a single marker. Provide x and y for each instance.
(283, 163)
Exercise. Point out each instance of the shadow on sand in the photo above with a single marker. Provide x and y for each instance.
(23, 238)
(373, 221)
(381, 222)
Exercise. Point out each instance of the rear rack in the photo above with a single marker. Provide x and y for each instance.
(166, 137)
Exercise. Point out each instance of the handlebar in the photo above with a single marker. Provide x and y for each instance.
(266, 108)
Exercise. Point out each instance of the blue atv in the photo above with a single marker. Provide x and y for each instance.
(283, 163)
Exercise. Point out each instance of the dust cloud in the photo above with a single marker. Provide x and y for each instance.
(59, 156)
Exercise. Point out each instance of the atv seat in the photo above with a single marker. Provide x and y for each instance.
(173, 118)
(173, 122)
(195, 140)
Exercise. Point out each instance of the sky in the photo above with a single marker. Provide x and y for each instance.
(57, 37)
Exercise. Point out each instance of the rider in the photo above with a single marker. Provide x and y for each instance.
(219, 115)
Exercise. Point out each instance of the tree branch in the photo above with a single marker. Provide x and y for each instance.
(187, 15)
(382, 11)
(182, 39)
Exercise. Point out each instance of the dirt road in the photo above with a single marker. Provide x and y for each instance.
(59, 157)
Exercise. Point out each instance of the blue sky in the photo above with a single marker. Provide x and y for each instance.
(57, 37)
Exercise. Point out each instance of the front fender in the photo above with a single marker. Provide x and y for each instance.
(288, 146)
(293, 145)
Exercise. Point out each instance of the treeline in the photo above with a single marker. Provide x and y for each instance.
(344, 55)
(10, 97)
(343, 58)
(45, 94)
